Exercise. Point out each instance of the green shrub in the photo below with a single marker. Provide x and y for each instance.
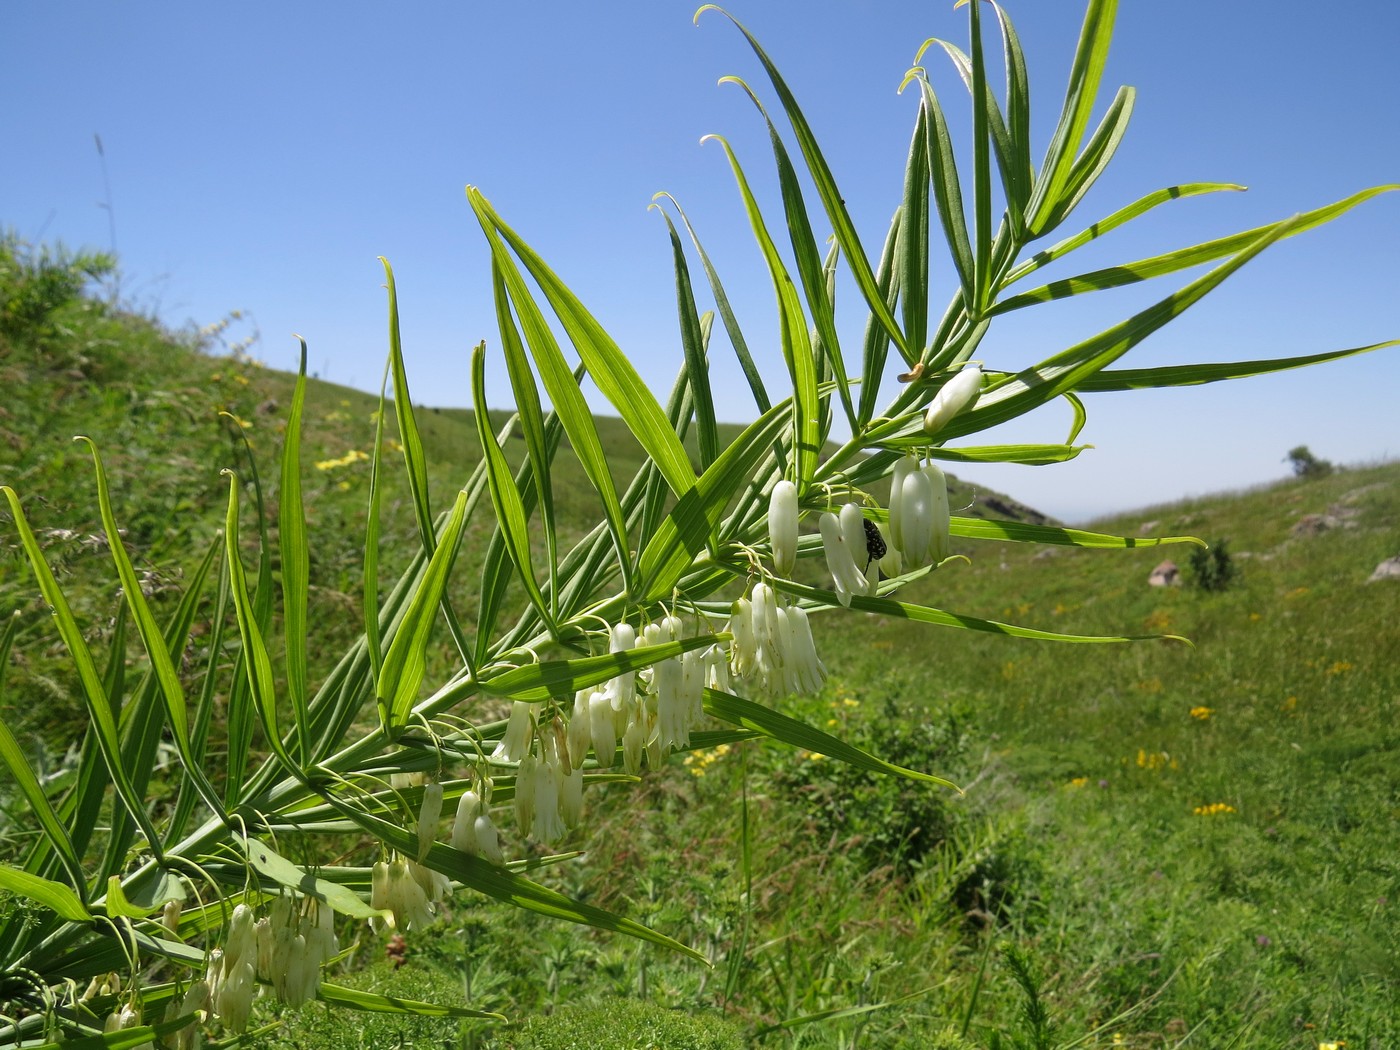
(1211, 568)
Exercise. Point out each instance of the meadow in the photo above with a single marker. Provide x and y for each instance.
(1156, 844)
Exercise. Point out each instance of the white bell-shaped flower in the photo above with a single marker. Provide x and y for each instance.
(602, 725)
(429, 813)
(515, 744)
(847, 576)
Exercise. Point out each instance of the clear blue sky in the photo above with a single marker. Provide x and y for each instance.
(262, 155)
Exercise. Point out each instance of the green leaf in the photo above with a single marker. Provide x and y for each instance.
(989, 529)
(1192, 375)
(55, 896)
(282, 871)
(726, 313)
(1139, 207)
(808, 258)
(610, 369)
(1183, 258)
(531, 419)
(562, 678)
(562, 386)
(504, 885)
(1085, 74)
(355, 999)
(99, 707)
(406, 661)
(28, 783)
(370, 582)
(683, 533)
(505, 496)
(760, 719)
(843, 228)
(693, 343)
(162, 665)
(296, 560)
(1068, 370)
(1027, 455)
(261, 689)
(792, 331)
(115, 903)
(947, 193)
(1102, 145)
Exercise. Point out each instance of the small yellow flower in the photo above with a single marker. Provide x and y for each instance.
(1340, 667)
(1079, 782)
(1213, 809)
(1202, 713)
(1296, 592)
(1332, 1045)
(1289, 704)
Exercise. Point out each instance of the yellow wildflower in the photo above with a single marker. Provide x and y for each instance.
(1213, 809)
(1202, 713)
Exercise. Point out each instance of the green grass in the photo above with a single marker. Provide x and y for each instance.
(870, 913)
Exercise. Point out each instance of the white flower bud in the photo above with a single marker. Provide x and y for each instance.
(634, 742)
(957, 394)
(170, 917)
(603, 728)
(429, 813)
(580, 732)
(525, 794)
(622, 689)
(487, 841)
(939, 539)
(917, 498)
(782, 527)
(463, 824)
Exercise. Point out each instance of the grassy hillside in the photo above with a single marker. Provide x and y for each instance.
(1158, 845)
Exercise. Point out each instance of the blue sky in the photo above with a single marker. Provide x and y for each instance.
(261, 156)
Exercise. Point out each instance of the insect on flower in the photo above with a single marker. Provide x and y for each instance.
(875, 548)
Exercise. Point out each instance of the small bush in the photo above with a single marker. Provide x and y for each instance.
(1211, 568)
(1306, 465)
(36, 283)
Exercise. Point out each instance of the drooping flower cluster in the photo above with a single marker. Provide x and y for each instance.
(472, 830)
(853, 569)
(408, 890)
(231, 974)
(294, 940)
(919, 517)
(773, 646)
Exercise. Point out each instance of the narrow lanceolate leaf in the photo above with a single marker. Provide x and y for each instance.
(900, 271)
(792, 331)
(406, 661)
(282, 871)
(504, 885)
(947, 193)
(55, 896)
(1170, 262)
(988, 529)
(355, 999)
(1084, 78)
(562, 678)
(761, 719)
(981, 167)
(726, 313)
(296, 559)
(162, 664)
(805, 252)
(30, 788)
(370, 589)
(842, 226)
(261, 689)
(685, 531)
(925, 614)
(693, 344)
(1017, 174)
(613, 373)
(99, 707)
(531, 420)
(1194, 375)
(1102, 145)
(1139, 207)
(1066, 371)
(561, 384)
(1026, 455)
(409, 437)
(505, 497)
